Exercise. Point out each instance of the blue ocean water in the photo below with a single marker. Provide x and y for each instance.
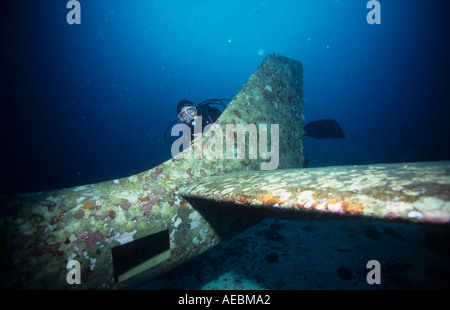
(90, 102)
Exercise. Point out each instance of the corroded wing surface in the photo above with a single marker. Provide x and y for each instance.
(416, 192)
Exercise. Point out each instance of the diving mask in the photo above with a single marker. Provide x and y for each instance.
(187, 114)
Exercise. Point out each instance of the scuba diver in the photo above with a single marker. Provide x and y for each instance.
(188, 112)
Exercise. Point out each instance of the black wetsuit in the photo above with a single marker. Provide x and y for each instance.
(209, 115)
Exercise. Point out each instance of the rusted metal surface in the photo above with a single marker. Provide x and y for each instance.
(41, 232)
(413, 192)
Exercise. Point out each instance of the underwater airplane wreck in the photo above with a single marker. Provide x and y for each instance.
(125, 232)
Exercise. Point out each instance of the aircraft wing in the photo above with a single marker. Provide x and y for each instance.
(124, 232)
(412, 192)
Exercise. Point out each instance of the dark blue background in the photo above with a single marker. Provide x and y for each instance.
(88, 103)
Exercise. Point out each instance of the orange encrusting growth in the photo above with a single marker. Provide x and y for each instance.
(269, 199)
(242, 199)
(237, 199)
(88, 205)
(352, 207)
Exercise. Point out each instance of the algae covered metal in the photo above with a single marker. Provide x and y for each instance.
(96, 224)
(123, 232)
(412, 192)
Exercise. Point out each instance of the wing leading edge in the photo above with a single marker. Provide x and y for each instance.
(412, 192)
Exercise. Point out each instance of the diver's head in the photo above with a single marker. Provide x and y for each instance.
(186, 111)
